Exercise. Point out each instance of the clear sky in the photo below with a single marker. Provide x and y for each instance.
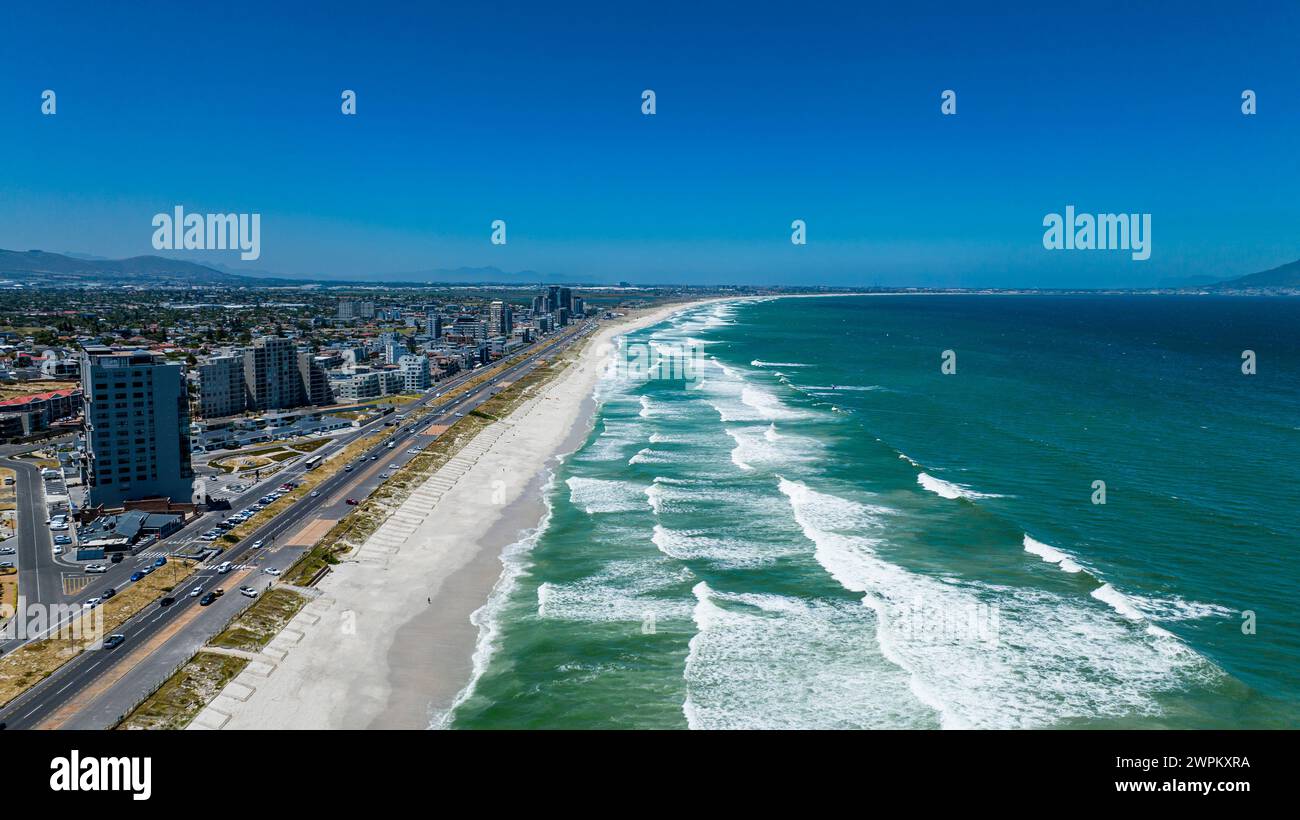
(766, 113)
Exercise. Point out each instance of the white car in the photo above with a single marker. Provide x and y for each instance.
(248, 592)
(271, 571)
(59, 526)
(314, 494)
(96, 568)
(224, 568)
(258, 543)
(412, 452)
(196, 592)
(58, 550)
(91, 603)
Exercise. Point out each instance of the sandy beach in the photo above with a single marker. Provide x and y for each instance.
(388, 641)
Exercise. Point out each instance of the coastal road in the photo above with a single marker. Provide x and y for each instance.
(95, 689)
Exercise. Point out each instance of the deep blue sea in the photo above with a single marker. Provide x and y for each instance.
(795, 518)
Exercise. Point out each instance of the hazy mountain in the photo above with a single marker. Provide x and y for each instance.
(1283, 276)
(42, 268)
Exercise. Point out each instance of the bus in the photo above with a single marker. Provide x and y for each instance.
(312, 463)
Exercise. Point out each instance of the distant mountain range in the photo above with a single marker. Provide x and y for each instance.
(1283, 276)
(45, 269)
(54, 269)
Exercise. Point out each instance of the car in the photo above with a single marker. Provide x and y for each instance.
(108, 593)
(248, 592)
(207, 599)
(196, 592)
(117, 558)
(271, 571)
(286, 486)
(8, 551)
(412, 452)
(352, 502)
(62, 540)
(348, 469)
(258, 543)
(58, 550)
(458, 415)
(162, 561)
(166, 601)
(224, 568)
(59, 527)
(91, 603)
(136, 576)
(314, 493)
(6, 564)
(218, 592)
(374, 458)
(383, 475)
(209, 536)
(96, 568)
(114, 641)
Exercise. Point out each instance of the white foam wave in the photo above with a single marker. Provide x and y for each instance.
(1118, 602)
(949, 489)
(595, 495)
(1050, 658)
(1051, 555)
(762, 661)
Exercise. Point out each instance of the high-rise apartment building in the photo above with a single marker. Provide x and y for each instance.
(271, 374)
(221, 386)
(137, 427)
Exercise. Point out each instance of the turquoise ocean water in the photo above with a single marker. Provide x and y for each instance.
(807, 524)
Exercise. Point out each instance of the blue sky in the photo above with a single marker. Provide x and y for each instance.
(531, 113)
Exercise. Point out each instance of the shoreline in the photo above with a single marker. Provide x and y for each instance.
(367, 653)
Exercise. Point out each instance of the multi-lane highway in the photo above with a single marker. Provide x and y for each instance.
(96, 688)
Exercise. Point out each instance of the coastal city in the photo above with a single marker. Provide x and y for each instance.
(163, 449)
(679, 377)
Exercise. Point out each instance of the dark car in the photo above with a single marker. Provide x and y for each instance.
(168, 601)
(207, 599)
(160, 562)
(108, 593)
(117, 558)
(113, 641)
(136, 576)
(352, 502)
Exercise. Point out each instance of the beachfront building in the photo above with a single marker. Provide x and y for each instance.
(221, 386)
(415, 373)
(369, 384)
(271, 374)
(500, 319)
(137, 424)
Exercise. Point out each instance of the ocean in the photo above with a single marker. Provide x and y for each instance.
(787, 515)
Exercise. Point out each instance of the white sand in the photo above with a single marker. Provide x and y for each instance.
(388, 642)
